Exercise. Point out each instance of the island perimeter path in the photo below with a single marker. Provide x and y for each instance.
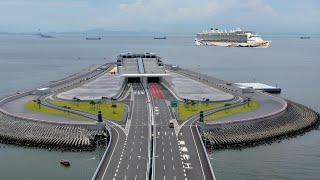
(143, 146)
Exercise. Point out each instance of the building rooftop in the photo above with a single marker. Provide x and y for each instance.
(147, 64)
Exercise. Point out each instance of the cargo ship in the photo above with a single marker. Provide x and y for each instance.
(233, 38)
(93, 38)
(163, 37)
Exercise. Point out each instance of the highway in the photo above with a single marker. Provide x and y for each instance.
(167, 160)
(176, 157)
(128, 157)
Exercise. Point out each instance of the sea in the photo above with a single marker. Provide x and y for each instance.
(27, 61)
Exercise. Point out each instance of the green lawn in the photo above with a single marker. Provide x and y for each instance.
(254, 105)
(34, 107)
(115, 114)
(185, 111)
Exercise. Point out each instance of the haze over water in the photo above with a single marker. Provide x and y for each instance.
(291, 63)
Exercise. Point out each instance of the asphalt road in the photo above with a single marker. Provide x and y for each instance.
(127, 159)
(176, 157)
(167, 160)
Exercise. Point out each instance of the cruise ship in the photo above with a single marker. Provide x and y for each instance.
(233, 38)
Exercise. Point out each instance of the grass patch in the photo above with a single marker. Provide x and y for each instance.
(108, 112)
(34, 107)
(252, 106)
(185, 111)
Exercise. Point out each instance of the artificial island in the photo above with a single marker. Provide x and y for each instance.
(155, 120)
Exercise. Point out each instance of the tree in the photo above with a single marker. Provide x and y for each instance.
(34, 103)
(93, 104)
(99, 105)
(113, 107)
(249, 100)
(78, 101)
(39, 103)
(74, 99)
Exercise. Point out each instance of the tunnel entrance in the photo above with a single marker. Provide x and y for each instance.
(153, 79)
(134, 80)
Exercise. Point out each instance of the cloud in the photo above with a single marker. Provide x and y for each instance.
(160, 15)
(143, 12)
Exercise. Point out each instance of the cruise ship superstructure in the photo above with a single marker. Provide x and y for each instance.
(233, 38)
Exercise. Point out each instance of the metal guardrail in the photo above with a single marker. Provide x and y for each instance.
(104, 154)
(205, 151)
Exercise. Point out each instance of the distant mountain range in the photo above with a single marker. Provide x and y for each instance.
(98, 32)
(104, 32)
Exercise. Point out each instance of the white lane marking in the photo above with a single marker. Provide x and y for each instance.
(135, 178)
(130, 157)
(164, 167)
(128, 166)
(111, 155)
(162, 157)
(204, 177)
(174, 178)
(137, 166)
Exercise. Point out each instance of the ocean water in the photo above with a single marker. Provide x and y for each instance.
(291, 63)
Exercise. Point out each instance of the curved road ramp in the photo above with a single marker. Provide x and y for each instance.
(19, 127)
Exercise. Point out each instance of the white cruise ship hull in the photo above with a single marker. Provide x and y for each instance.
(254, 44)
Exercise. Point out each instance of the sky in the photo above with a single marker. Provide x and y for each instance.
(186, 16)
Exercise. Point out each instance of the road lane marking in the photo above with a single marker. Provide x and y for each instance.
(204, 177)
(111, 154)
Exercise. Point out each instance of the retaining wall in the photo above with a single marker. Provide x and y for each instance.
(294, 120)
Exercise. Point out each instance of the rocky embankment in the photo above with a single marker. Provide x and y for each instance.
(296, 119)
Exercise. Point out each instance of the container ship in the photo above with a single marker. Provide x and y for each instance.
(233, 38)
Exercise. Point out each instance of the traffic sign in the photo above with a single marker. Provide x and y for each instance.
(174, 104)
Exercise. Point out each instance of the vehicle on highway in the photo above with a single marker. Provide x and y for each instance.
(171, 124)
